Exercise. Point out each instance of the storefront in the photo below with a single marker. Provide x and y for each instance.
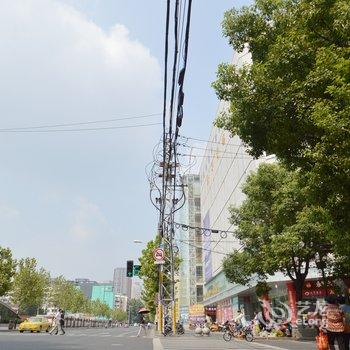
(225, 298)
(224, 310)
(196, 314)
(210, 311)
(219, 298)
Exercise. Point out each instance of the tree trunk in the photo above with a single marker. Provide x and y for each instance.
(298, 285)
(299, 277)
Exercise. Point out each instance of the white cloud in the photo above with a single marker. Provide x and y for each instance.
(57, 64)
(88, 220)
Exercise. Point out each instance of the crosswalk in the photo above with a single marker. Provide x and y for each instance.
(193, 343)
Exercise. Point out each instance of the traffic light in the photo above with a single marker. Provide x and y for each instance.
(137, 270)
(129, 268)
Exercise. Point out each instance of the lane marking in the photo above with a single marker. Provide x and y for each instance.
(270, 346)
(121, 335)
(157, 345)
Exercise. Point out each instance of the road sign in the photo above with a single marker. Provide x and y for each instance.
(137, 269)
(158, 254)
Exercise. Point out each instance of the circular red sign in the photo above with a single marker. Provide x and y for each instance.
(158, 254)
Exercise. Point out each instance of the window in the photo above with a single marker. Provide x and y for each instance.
(199, 293)
(197, 203)
(199, 271)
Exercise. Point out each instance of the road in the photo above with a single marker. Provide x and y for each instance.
(125, 339)
(77, 339)
(217, 343)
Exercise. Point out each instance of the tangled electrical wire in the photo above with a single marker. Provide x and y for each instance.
(154, 173)
(204, 231)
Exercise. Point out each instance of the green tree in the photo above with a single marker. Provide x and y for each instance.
(100, 309)
(7, 270)
(67, 296)
(150, 275)
(277, 228)
(30, 285)
(294, 99)
(119, 315)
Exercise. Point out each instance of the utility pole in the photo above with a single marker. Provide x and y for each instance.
(167, 192)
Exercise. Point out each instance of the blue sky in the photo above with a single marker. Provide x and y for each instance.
(76, 201)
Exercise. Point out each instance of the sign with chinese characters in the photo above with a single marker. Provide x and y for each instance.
(316, 289)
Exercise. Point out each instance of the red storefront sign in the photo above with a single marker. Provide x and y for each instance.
(315, 289)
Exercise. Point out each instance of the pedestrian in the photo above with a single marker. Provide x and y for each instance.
(142, 325)
(345, 306)
(56, 322)
(61, 322)
(333, 323)
(239, 320)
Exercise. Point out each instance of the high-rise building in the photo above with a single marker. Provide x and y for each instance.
(136, 288)
(85, 285)
(190, 286)
(104, 293)
(121, 283)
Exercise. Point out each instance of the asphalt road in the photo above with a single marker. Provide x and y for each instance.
(125, 339)
(217, 343)
(77, 339)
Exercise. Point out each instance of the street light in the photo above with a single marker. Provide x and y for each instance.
(137, 241)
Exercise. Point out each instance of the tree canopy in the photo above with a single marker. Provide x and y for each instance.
(65, 295)
(7, 270)
(278, 229)
(149, 275)
(29, 285)
(293, 100)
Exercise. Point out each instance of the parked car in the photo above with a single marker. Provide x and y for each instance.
(35, 324)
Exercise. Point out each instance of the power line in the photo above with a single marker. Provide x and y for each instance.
(176, 53)
(208, 141)
(212, 150)
(203, 230)
(208, 156)
(202, 248)
(82, 129)
(165, 85)
(81, 123)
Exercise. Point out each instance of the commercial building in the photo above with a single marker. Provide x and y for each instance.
(85, 285)
(121, 302)
(189, 241)
(224, 169)
(121, 284)
(104, 293)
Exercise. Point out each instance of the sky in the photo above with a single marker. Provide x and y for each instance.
(77, 200)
